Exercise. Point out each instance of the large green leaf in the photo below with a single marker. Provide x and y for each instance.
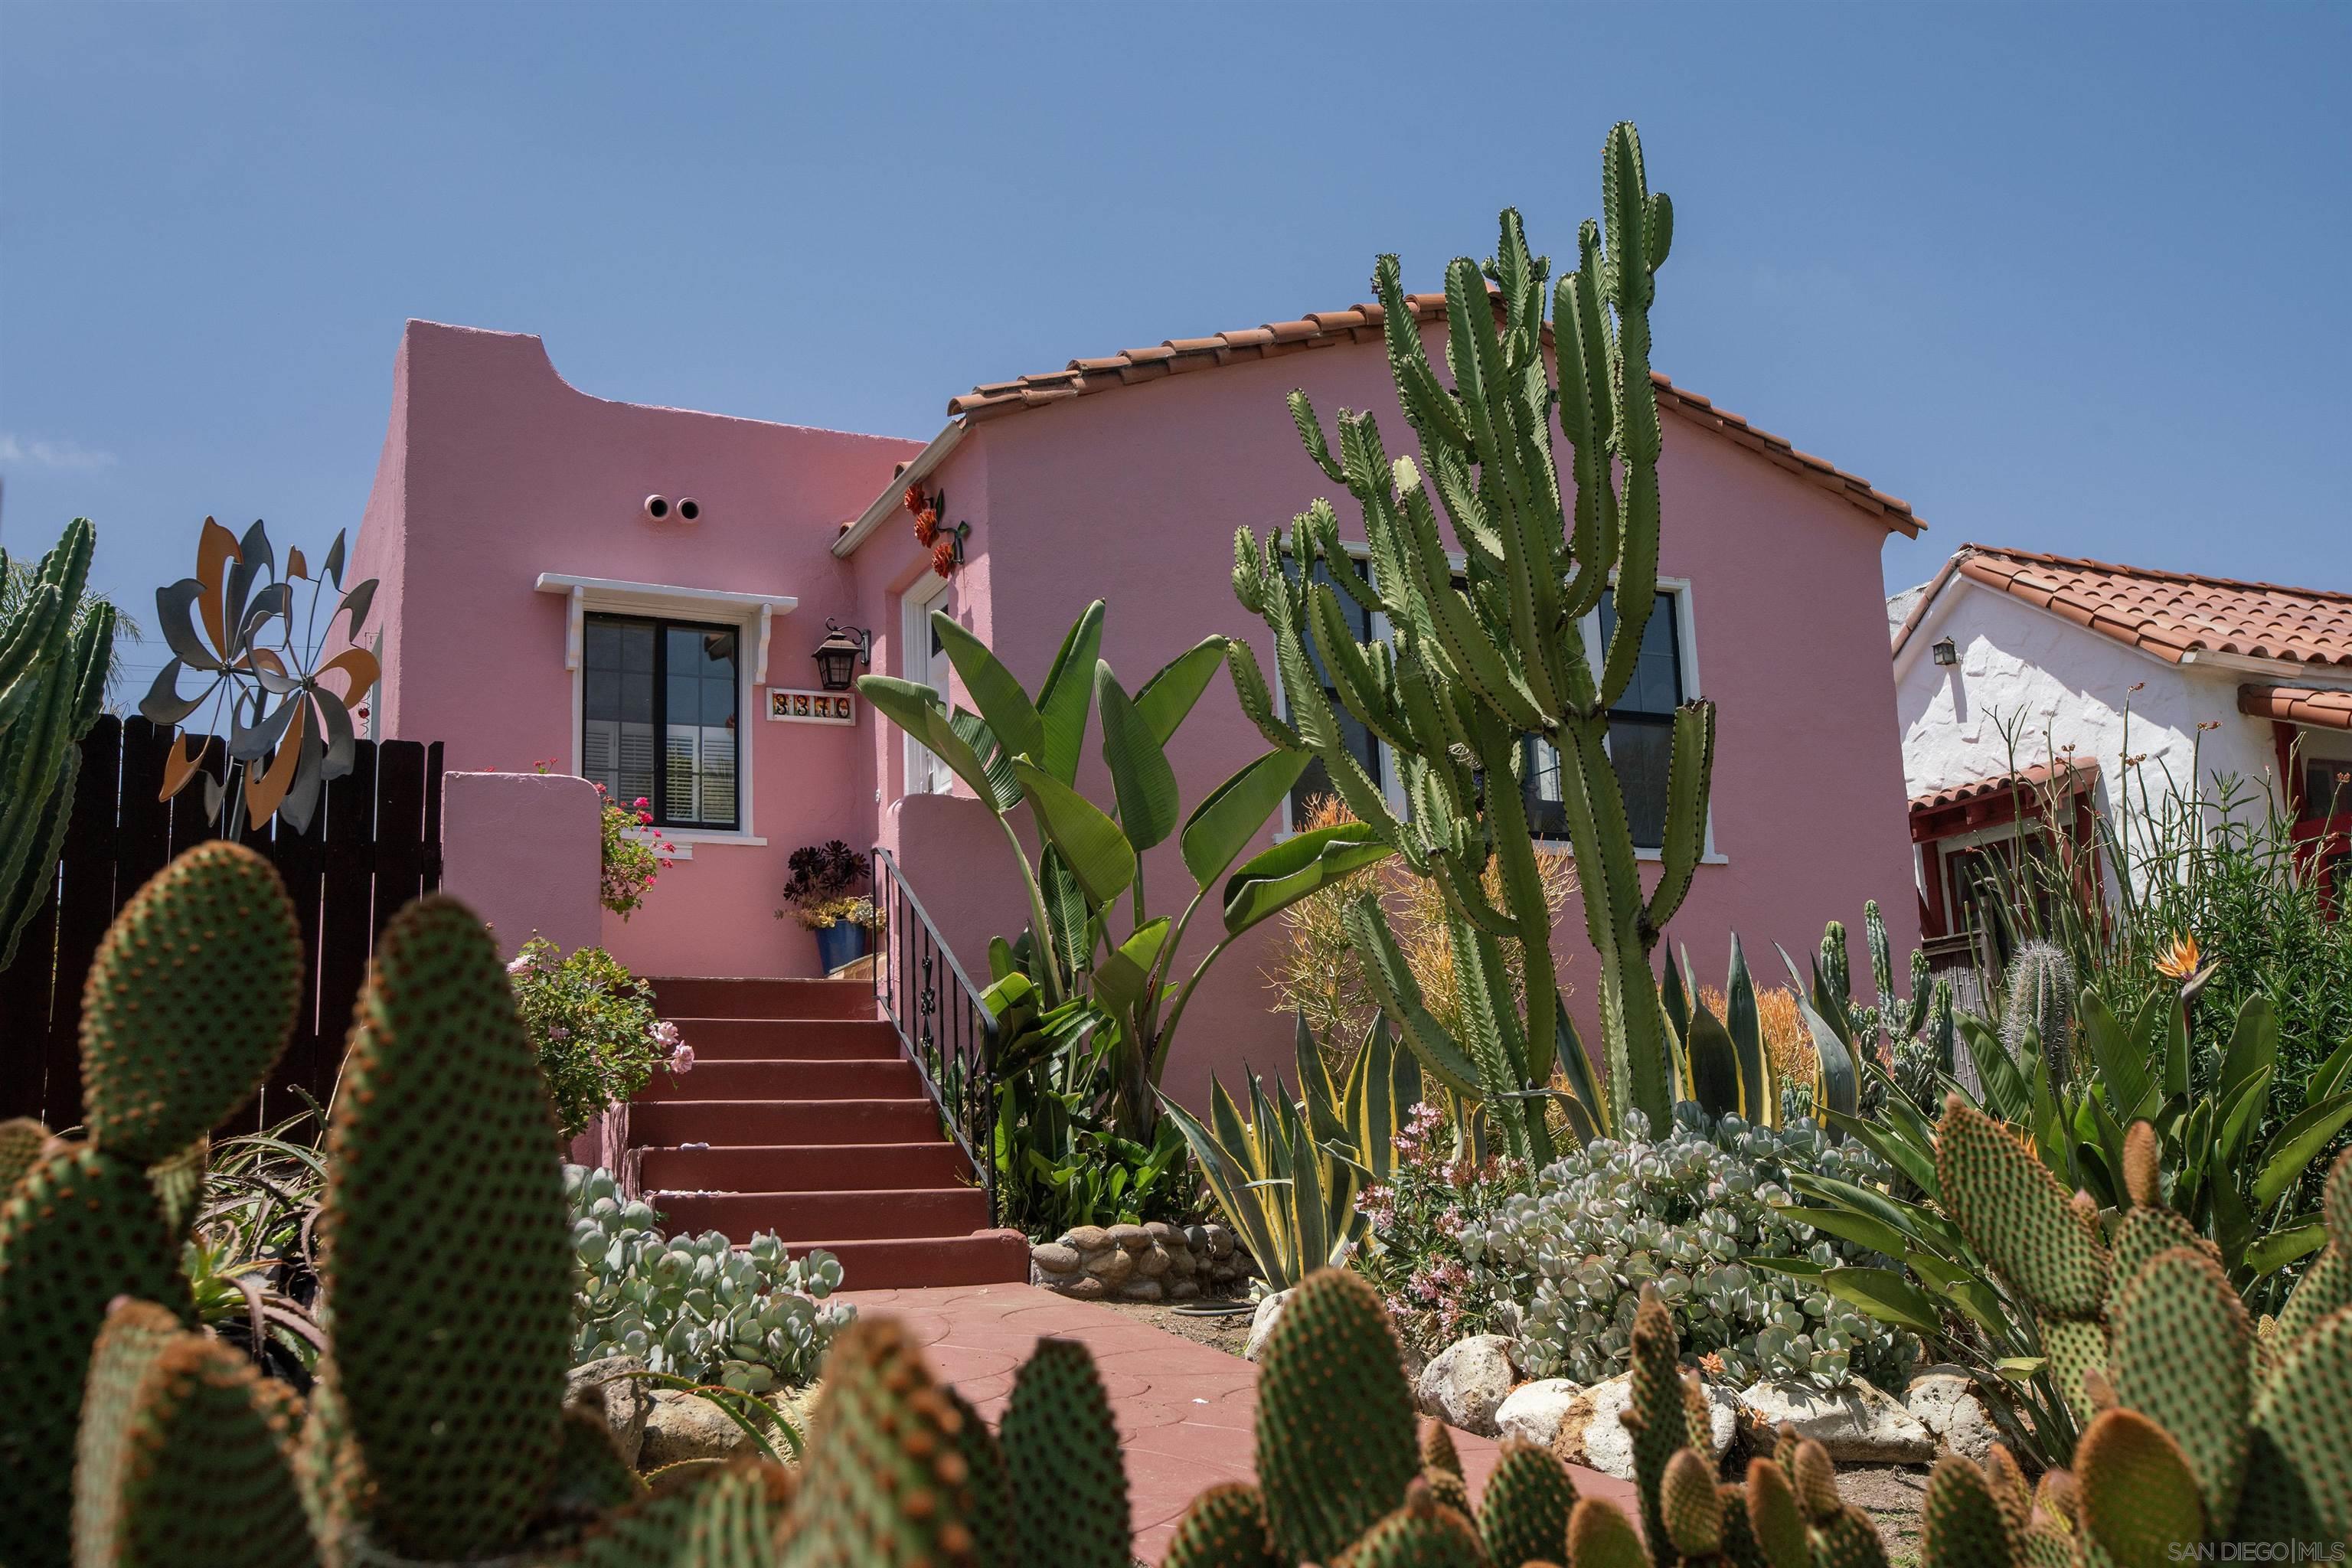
(1714, 1065)
(2253, 1045)
(2282, 1246)
(1126, 970)
(2121, 1060)
(1840, 1084)
(1139, 775)
(1305, 863)
(1759, 1095)
(1090, 843)
(1069, 691)
(2298, 1143)
(1847, 1226)
(917, 709)
(1885, 1296)
(1168, 695)
(1222, 826)
(998, 696)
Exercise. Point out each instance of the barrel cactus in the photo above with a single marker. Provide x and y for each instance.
(2039, 996)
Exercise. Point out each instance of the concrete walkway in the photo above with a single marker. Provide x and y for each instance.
(1185, 1411)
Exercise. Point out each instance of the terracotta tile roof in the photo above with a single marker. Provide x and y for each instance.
(2078, 776)
(1361, 323)
(2173, 614)
(2297, 705)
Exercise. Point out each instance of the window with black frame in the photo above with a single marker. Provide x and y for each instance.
(1641, 732)
(659, 718)
(1315, 783)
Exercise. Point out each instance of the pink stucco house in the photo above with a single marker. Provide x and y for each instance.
(534, 605)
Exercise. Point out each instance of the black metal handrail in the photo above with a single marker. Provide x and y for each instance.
(944, 1028)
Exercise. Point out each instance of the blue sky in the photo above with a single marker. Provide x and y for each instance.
(2067, 277)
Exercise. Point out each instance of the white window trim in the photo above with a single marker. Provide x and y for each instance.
(915, 607)
(753, 614)
(1392, 779)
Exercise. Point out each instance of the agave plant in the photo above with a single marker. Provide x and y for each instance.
(1289, 1177)
(232, 625)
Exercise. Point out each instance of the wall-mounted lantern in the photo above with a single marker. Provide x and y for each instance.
(1945, 651)
(843, 650)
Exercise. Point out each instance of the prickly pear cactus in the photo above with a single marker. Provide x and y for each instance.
(80, 1228)
(189, 1002)
(22, 1140)
(456, 1429)
(1069, 1491)
(886, 1483)
(1529, 1499)
(1423, 1533)
(184, 1455)
(1335, 1422)
(1223, 1528)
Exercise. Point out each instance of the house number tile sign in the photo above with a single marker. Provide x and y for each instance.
(811, 706)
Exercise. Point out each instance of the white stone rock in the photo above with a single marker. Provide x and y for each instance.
(1856, 1423)
(1261, 1322)
(606, 1387)
(685, 1426)
(1534, 1410)
(1591, 1435)
(1944, 1400)
(1468, 1383)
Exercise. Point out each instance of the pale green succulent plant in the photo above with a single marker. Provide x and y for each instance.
(752, 1318)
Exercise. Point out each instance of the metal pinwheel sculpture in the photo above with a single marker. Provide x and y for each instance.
(232, 624)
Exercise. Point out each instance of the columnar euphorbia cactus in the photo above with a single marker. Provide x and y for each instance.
(54, 655)
(1492, 652)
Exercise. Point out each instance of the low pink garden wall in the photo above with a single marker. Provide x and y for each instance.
(524, 851)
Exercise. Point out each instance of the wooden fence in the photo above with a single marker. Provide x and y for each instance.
(373, 845)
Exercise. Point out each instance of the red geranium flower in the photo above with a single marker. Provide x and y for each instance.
(943, 561)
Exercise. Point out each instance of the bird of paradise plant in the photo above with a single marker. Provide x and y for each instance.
(232, 625)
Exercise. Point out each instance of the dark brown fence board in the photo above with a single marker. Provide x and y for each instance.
(374, 845)
(399, 827)
(25, 1014)
(85, 909)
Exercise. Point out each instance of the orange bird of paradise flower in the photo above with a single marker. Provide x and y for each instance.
(2177, 962)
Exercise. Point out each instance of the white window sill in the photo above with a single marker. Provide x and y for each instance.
(683, 839)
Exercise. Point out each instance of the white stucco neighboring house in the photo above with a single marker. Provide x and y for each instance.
(2074, 686)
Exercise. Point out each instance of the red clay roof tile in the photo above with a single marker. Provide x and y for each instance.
(2074, 776)
(2297, 705)
(2173, 614)
(1361, 323)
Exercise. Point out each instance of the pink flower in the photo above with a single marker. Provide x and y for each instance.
(681, 1061)
(641, 803)
(519, 964)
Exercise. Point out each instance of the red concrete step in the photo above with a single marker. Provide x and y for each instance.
(802, 1218)
(840, 1039)
(738, 1121)
(806, 1168)
(984, 1257)
(895, 1079)
(690, 997)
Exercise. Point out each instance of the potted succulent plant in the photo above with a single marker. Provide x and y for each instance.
(827, 893)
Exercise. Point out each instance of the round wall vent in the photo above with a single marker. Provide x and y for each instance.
(658, 507)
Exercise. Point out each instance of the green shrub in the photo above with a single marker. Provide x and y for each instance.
(752, 1318)
(594, 1028)
(1691, 1214)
